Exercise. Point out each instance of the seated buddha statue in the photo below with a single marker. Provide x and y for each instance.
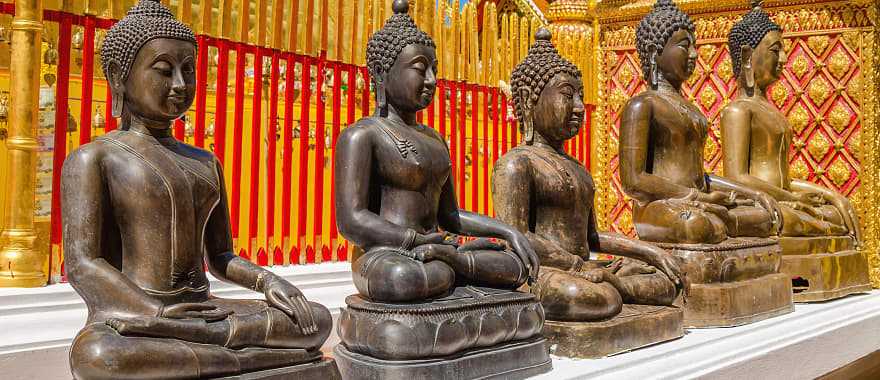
(675, 202)
(548, 196)
(420, 294)
(144, 212)
(820, 229)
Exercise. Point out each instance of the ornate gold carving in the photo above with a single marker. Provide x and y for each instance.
(707, 53)
(710, 148)
(839, 118)
(625, 221)
(779, 94)
(617, 99)
(798, 118)
(818, 44)
(612, 198)
(854, 88)
(625, 75)
(725, 70)
(850, 40)
(611, 60)
(818, 90)
(855, 143)
(800, 65)
(818, 146)
(838, 172)
(695, 76)
(839, 63)
(800, 170)
(708, 96)
(625, 36)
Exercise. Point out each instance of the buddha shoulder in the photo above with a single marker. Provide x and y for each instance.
(86, 158)
(642, 102)
(738, 111)
(515, 162)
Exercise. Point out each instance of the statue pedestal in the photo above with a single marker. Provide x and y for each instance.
(733, 283)
(324, 369)
(471, 333)
(824, 268)
(636, 326)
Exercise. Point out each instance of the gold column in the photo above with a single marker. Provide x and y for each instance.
(571, 22)
(21, 265)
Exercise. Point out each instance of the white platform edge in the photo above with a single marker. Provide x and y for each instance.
(36, 326)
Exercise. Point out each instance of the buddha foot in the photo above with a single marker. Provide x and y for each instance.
(733, 283)
(509, 361)
(824, 268)
(468, 318)
(636, 326)
(325, 369)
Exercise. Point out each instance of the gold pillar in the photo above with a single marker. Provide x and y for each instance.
(571, 22)
(21, 265)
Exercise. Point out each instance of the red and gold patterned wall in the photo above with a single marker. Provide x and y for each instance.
(828, 93)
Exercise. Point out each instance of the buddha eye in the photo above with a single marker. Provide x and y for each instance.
(162, 67)
(419, 66)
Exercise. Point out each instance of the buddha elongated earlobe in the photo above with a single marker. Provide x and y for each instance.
(528, 128)
(747, 72)
(654, 75)
(381, 100)
(117, 101)
(116, 90)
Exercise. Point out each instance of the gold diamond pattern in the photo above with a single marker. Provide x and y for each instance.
(625, 222)
(798, 118)
(839, 118)
(800, 170)
(855, 143)
(611, 60)
(800, 65)
(818, 90)
(854, 87)
(617, 99)
(725, 70)
(707, 52)
(709, 148)
(838, 172)
(625, 75)
(779, 94)
(818, 146)
(708, 97)
(818, 44)
(839, 63)
(850, 40)
(612, 198)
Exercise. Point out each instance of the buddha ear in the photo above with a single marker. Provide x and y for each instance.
(381, 99)
(653, 75)
(524, 93)
(527, 126)
(117, 88)
(746, 68)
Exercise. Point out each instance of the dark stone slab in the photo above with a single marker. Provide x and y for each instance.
(511, 361)
(324, 369)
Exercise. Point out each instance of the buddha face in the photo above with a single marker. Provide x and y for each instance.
(768, 59)
(678, 58)
(559, 113)
(161, 83)
(411, 81)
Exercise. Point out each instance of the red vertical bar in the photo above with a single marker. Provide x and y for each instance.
(486, 153)
(221, 98)
(352, 94)
(237, 126)
(201, 91)
(504, 123)
(319, 162)
(337, 120)
(60, 141)
(430, 114)
(179, 128)
(365, 94)
(256, 127)
(110, 124)
(303, 175)
(462, 128)
(88, 76)
(287, 152)
(494, 125)
(453, 132)
(475, 151)
(588, 134)
(271, 154)
(441, 121)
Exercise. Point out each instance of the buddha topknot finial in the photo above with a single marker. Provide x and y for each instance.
(146, 21)
(656, 28)
(749, 32)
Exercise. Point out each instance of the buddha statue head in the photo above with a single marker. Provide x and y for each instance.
(666, 44)
(547, 93)
(148, 58)
(402, 51)
(756, 51)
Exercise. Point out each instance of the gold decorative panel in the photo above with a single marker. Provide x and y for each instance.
(828, 94)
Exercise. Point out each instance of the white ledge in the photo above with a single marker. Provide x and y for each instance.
(36, 326)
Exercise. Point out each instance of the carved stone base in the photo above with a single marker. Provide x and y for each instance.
(324, 369)
(824, 268)
(636, 326)
(510, 361)
(738, 303)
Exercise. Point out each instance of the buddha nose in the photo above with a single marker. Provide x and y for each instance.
(430, 78)
(178, 84)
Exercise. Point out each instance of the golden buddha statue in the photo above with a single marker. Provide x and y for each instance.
(548, 196)
(820, 229)
(143, 214)
(716, 226)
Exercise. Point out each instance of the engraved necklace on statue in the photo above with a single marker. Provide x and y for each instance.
(404, 146)
(564, 174)
(695, 117)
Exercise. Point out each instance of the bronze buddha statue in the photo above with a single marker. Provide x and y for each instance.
(676, 204)
(144, 212)
(820, 229)
(421, 294)
(548, 196)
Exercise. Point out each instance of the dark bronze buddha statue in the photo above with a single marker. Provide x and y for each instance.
(820, 229)
(676, 203)
(548, 195)
(421, 294)
(144, 212)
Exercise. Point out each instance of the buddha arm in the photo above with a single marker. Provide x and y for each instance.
(352, 167)
(637, 182)
(86, 208)
(457, 221)
(840, 202)
(512, 189)
(619, 245)
(223, 263)
(736, 144)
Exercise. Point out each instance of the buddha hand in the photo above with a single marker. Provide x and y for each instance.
(289, 299)
(521, 246)
(209, 313)
(770, 204)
